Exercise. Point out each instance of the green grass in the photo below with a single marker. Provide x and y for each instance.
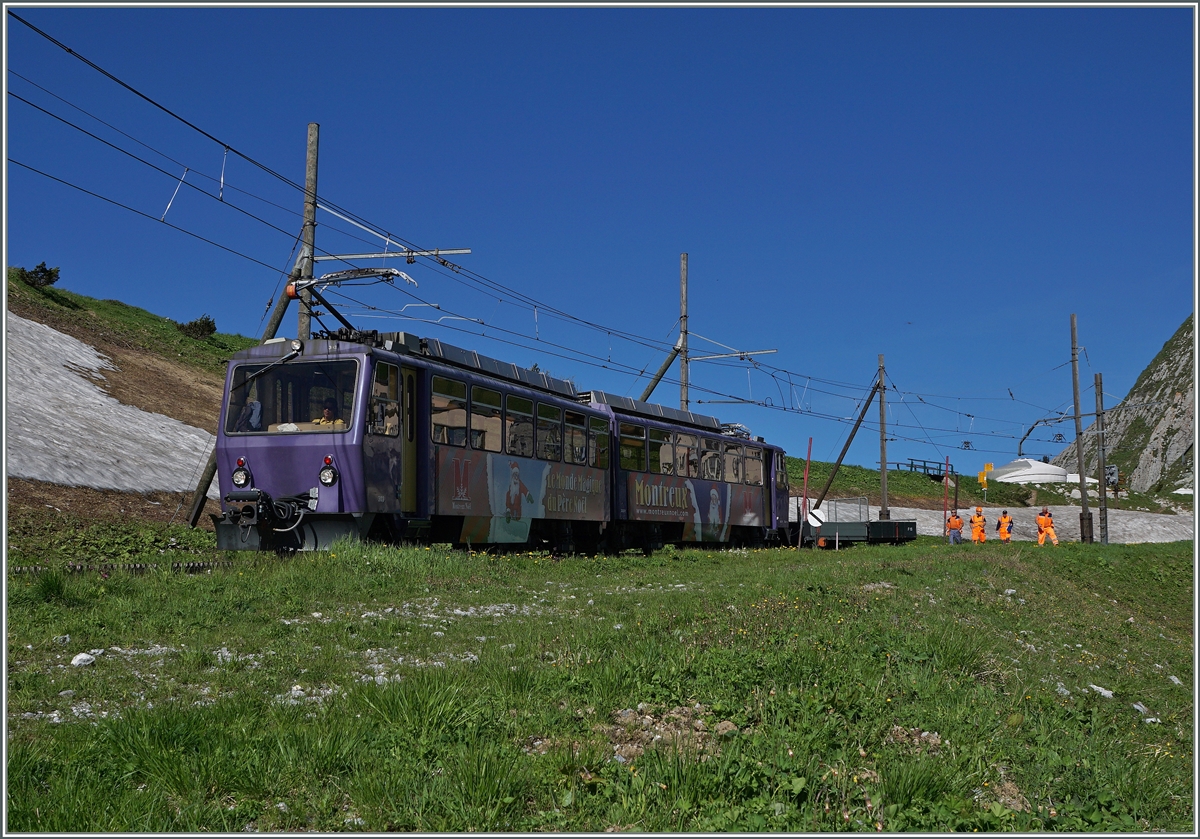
(375, 689)
(126, 326)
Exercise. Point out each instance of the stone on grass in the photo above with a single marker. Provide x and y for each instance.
(83, 660)
(1107, 694)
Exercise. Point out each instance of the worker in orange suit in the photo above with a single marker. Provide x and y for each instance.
(978, 526)
(1004, 527)
(1045, 523)
(954, 526)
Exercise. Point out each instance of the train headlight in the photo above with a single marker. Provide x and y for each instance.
(296, 345)
(241, 475)
(329, 474)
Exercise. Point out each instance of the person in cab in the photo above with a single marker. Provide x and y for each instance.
(329, 417)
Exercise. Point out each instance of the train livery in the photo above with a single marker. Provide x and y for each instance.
(400, 438)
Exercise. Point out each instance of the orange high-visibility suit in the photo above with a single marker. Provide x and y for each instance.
(978, 526)
(954, 526)
(1004, 528)
(1045, 523)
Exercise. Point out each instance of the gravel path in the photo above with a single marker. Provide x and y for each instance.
(62, 428)
(1124, 526)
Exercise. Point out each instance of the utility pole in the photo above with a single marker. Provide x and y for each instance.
(1085, 516)
(1100, 454)
(210, 469)
(884, 513)
(683, 334)
(308, 238)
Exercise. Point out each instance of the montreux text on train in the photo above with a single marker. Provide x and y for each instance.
(400, 438)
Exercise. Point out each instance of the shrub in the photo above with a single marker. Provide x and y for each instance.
(39, 277)
(200, 328)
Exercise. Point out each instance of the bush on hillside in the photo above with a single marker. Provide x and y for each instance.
(200, 328)
(39, 277)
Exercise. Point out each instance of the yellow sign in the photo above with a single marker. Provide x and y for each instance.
(987, 467)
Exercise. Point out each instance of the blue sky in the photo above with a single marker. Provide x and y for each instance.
(942, 186)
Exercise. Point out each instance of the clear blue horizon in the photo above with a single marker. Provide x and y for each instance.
(943, 186)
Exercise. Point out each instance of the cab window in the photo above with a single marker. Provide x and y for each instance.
(448, 411)
(485, 419)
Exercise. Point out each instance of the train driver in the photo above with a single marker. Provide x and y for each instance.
(329, 414)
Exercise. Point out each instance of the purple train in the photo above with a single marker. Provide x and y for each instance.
(399, 438)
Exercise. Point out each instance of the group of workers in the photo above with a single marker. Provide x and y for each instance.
(1004, 526)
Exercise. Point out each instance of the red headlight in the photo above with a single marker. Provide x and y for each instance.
(328, 459)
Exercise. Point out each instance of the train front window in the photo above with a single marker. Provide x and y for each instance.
(300, 396)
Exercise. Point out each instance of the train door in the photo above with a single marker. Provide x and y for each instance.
(383, 441)
(408, 436)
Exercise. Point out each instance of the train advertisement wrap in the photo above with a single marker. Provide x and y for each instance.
(499, 496)
(706, 509)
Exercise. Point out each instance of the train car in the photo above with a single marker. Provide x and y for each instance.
(680, 477)
(401, 438)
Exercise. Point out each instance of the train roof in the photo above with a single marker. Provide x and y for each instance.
(471, 360)
(650, 410)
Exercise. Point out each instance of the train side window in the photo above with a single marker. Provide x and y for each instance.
(733, 463)
(575, 441)
(687, 456)
(633, 447)
(384, 416)
(448, 411)
(781, 475)
(662, 452)
(598, 439)
(486, 425)
(754, 466)
(549, 432)
(518, 425)
(710, 460)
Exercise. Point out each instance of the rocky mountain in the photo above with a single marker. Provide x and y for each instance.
(1148, 436)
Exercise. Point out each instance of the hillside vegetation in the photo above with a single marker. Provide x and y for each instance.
(159, 368)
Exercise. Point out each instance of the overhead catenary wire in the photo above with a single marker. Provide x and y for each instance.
(502, 293)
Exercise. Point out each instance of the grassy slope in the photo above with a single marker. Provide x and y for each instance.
(206, 710)
(116, 323)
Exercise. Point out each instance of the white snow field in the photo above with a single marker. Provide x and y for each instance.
(62, 428)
